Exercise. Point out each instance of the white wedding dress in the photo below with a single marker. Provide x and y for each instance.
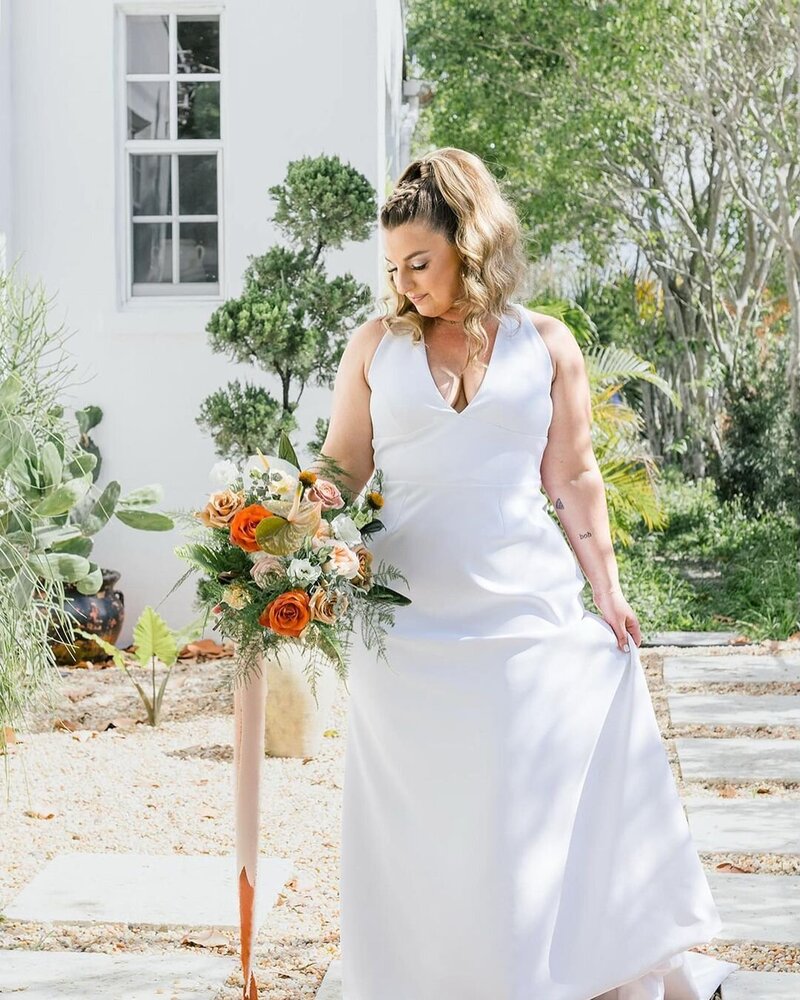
(511, 828)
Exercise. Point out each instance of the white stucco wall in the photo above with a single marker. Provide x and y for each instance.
(5, 130)
(299, 79)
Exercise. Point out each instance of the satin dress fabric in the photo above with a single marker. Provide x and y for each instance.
(511, 829)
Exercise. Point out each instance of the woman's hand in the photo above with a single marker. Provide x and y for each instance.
(619, 615)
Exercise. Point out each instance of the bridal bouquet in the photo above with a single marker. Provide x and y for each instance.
(285, 559)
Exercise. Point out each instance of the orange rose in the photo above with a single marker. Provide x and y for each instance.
(244, 524)
(288, 614)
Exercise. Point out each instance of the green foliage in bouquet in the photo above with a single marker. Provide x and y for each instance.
(155, 643)
(283, 559)
(292, 321)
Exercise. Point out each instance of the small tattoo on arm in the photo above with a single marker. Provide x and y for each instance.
(587, 535)
(559, 504)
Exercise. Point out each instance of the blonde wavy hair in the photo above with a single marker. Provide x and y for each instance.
(454, 193)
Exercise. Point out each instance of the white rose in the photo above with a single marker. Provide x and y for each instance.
(223, 473)
(345, 530)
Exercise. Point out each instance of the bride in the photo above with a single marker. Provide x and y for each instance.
(511, 828)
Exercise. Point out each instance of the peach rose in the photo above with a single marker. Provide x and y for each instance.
(326, 607)
(327, 492)
(322, 535)
(364, 576)
(342, 561)
(264, 566)
(244, 524)
(288, 614)
(220, 509)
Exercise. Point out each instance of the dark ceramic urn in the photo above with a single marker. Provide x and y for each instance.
(102, 614)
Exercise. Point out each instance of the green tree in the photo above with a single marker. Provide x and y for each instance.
(592, 116)
(292, 321)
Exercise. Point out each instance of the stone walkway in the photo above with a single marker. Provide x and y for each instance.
(742, 834)
(141, 889)
(738, 769)
(735, 720)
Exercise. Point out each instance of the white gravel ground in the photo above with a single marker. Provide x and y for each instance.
(170, 790)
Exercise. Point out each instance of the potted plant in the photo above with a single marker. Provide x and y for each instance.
(90, 599)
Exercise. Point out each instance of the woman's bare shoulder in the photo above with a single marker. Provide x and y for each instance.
(559, 340)
(364, 341)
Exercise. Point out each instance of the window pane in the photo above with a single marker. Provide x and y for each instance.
(148, 110)
(148, 44)
(198, 44)
(150, 185)
(152, 252)
(198, 111)
(199, 251)
(197, 185)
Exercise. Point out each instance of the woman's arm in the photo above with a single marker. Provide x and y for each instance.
(572, 480)
(349, 438)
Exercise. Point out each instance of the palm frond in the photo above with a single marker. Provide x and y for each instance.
(619, 365)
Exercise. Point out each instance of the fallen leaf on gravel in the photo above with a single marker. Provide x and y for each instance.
(10, 735)
(764, 791)
(207, 648)
(208, 938)
(65, 725)
(329, 733)
(728, 791)
(727, 866)
(38, 815)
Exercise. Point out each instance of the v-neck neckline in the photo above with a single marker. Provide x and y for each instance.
(432, 381)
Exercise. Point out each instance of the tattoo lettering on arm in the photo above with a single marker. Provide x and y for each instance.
(587, 535)
(559, 504)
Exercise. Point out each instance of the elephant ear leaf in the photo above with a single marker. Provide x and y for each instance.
(154, 638)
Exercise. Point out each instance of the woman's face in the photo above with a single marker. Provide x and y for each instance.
(423, 266)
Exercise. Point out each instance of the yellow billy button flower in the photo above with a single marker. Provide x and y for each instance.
(307, 477)
(374, 500)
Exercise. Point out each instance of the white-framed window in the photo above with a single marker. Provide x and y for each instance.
(173, 131)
